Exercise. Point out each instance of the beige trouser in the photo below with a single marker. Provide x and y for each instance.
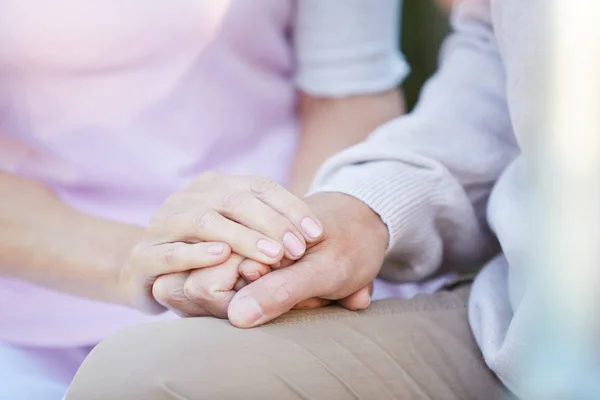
(397, 349)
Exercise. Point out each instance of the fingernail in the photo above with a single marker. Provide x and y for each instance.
(311, 228)
(246, 311)
(367, 299)
(269, 248)
(251, 276)
(215, 249)
(368, 302)
(239, 284)
(293, 244)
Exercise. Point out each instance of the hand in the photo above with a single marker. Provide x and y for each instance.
(251, 271)
(202, 292)
(347, 259)
(208, 291)
(216, 216)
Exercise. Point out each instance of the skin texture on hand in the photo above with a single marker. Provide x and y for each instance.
(347, 259)
(347, 244)
(251, 271)
(200, 292)
(327, 126)
(201, 235)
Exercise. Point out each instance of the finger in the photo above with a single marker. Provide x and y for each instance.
(289, 205)
(168, 291)
(246, 209)
(178, 257)
(208, 225)
(359, 300)
(252, 270)
(239, 284)
(285, 262)
(275, 293)
(213, 288)
(313, 303)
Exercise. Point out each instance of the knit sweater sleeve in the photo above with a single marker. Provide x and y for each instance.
(429, 174)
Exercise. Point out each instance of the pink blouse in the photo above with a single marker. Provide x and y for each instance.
(116, 104)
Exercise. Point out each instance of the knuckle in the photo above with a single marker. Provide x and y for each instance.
(207, 295)
(263, 185)
(167, 291)
(279, 224)
(158, 220)
(233, 200)
(199, 292)
(281, 290)
(204, 220)
(340, 274)
(170, 256)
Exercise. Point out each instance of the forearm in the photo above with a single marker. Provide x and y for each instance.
(45, 242)
(329, 125)
(429, 174)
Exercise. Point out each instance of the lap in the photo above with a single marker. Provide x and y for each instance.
(397, 349)
(37, 374)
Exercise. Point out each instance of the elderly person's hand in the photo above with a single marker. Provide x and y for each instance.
(208, 291)
(200, 227)
(347, 259)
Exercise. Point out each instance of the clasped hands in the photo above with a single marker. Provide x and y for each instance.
(246, 249)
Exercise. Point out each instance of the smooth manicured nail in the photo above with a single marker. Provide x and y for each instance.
(215, 249)
(293, 244)
(269, 248)
(246, 311)
(311, 228)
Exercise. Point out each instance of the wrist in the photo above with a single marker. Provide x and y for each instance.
(352, 212)
(104, 250)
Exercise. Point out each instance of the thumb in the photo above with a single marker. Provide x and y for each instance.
(359, 300)
(274, 294)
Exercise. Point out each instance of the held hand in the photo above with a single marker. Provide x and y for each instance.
(201, 292)
(346, 260)
(252, 270)
(201, 226)
(208, 291)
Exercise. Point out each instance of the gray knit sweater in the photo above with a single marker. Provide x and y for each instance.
(448, 179)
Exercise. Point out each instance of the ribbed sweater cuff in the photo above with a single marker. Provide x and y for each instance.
(400, 194)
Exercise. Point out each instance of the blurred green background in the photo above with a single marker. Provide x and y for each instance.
(424, 25)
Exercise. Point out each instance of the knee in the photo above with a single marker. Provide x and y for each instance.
(174, 359)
